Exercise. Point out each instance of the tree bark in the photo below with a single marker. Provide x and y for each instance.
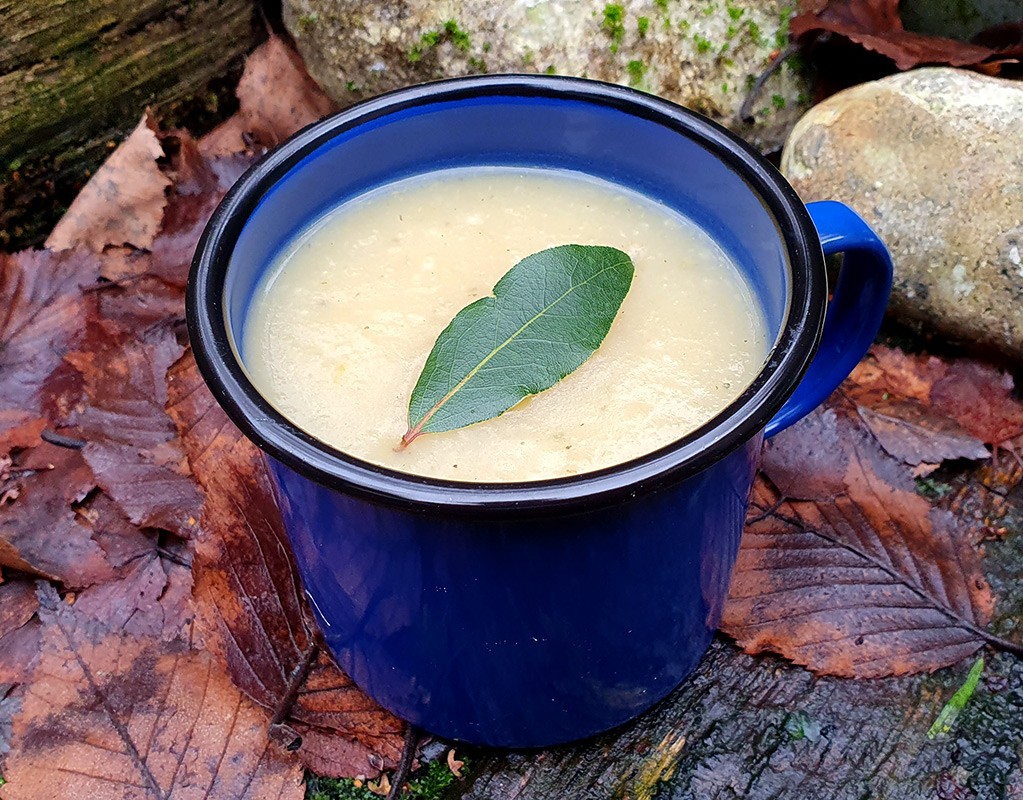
(77, 74)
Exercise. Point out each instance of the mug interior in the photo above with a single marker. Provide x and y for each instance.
(645, 144)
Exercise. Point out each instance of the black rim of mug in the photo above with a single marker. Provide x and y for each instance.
(738, 423)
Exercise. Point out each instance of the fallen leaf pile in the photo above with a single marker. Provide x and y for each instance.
(154, 638)
(877, 26)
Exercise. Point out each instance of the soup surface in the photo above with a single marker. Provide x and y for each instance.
(341, 325)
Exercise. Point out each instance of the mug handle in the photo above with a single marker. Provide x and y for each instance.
(854, 313)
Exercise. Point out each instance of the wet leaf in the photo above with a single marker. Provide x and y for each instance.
(110, 715)
(40, 531)
(248, 600)
(980, 398)
(132, 444)
(43, 308)
(122, 203)
(19, 430)
(870, 582)
(910, 432)
(546, 316)
(808, 464)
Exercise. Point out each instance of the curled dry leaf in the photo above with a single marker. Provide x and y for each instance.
(248, 600)
(111, 715)
(867, 583)
(876, 25)
(123, 202)
(276, 97)
(910, 432)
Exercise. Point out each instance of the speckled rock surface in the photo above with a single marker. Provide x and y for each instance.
(933, 160)
(701, 53)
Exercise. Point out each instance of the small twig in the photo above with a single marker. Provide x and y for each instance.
(298, 675)
(62, 441)
(408, 755)
(163, 552)
(746, 109)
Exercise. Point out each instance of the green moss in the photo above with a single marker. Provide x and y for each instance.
(459, 38)
(637, 71)
(703, 44)
(432, 781)
(450, 32)
(429, 782)
(724, 88)
(778, 101)
(337, 789)
(306, 21)
(755, 34)
(734, 12)
(614, 24)
(800, 725)
(781, 38)
(932, 488)
(351, 86)
(732, 30)
(643, 25)
(550, 70)
(478, 64)
(662, 6)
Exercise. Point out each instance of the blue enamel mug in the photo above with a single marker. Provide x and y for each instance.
(529, 614)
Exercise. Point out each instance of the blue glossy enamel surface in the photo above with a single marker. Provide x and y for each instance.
(521, 633)
(530, 614)
(855, 311)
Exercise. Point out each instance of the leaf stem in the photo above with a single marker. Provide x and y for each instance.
(408, 755)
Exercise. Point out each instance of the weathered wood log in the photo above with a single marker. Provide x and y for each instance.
(75, 74)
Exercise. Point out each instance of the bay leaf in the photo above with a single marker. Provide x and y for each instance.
(547, 315)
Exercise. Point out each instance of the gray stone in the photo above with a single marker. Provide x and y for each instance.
(933, 160)
(701, 53)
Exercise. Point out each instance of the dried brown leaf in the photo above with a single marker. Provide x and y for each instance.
(248, 599)
(916, 435)
(868, 583)
(110, 715)
(876, 25)
(277, 97)
(40, 532)
(132, 447)
(887, 372)
(43, 308)
(123, 202)
(19, 430)
(150, 600)
(808, 463)
(980, 398)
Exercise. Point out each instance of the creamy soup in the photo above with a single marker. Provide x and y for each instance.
(340, 327)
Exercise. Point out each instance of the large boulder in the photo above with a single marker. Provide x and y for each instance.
(933, 160)
(704, 54)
